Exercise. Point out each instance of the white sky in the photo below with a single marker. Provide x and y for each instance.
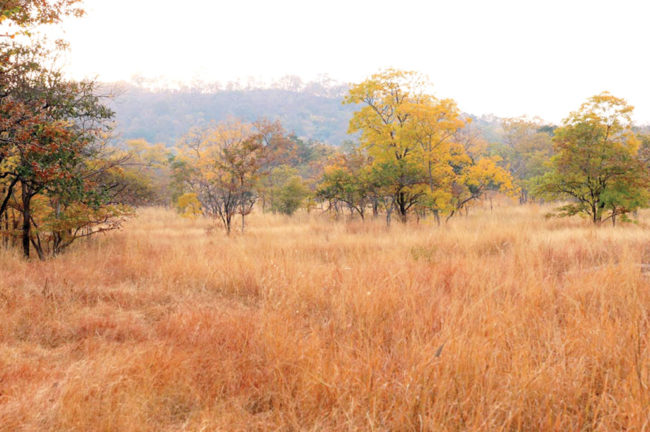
(503, 57)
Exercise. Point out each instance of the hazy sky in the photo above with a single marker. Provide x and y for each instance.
(493, 56)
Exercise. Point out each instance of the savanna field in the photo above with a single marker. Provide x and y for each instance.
(500, 320)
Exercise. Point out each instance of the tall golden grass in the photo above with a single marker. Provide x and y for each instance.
(498, 321)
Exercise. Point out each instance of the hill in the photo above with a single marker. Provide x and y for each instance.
(165, 115)
(311, 111)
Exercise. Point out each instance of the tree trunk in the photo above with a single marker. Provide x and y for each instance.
(5, 237)
(242, 223)
(6, 192)
(14, 228)
(26, 198)
(402, 210)
(436, 215)
(38, 247)
(401, 206)
(227, 219)
(453, 212)
(523, 197)
(595, 209)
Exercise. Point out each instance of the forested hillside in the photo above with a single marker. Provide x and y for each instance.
(311, 111)
(165, 115)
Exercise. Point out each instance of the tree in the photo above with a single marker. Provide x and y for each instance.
(387, 131)
(276, 187)
(476, 173)
(146, 175)
(596, 163)
(347, 180)
(420, 149)
(436, 125)
(53, 133)
(20, 112)
(290, 195)
(224, 162)
(279, 151)
(21, 15)
(188, 206)
(59, 158)
(526, 148)
(476, 178)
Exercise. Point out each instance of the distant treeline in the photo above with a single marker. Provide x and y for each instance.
(312, 111)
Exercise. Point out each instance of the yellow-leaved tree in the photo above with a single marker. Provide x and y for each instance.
(418, 154)
(434, 125)
(224, 161)
(386, 127)
(188, 205)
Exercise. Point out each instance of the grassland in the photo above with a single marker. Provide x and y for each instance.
(501, 320)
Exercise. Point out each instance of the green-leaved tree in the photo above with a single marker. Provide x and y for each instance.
(596, 165)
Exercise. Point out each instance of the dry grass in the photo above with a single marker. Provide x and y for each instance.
(309, 324)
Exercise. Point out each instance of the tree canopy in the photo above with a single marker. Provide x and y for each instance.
(596, 163)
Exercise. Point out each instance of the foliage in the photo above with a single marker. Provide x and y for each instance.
(526, 148)
(597, 164)
(55, 165)
(421, 154)
(388, 98)
(162, 115)
(56, 226)
(188, 206)
(145, 177)
(20, 16)
(290, 196)
(348, 180)
(224, 162)
(478, 178)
